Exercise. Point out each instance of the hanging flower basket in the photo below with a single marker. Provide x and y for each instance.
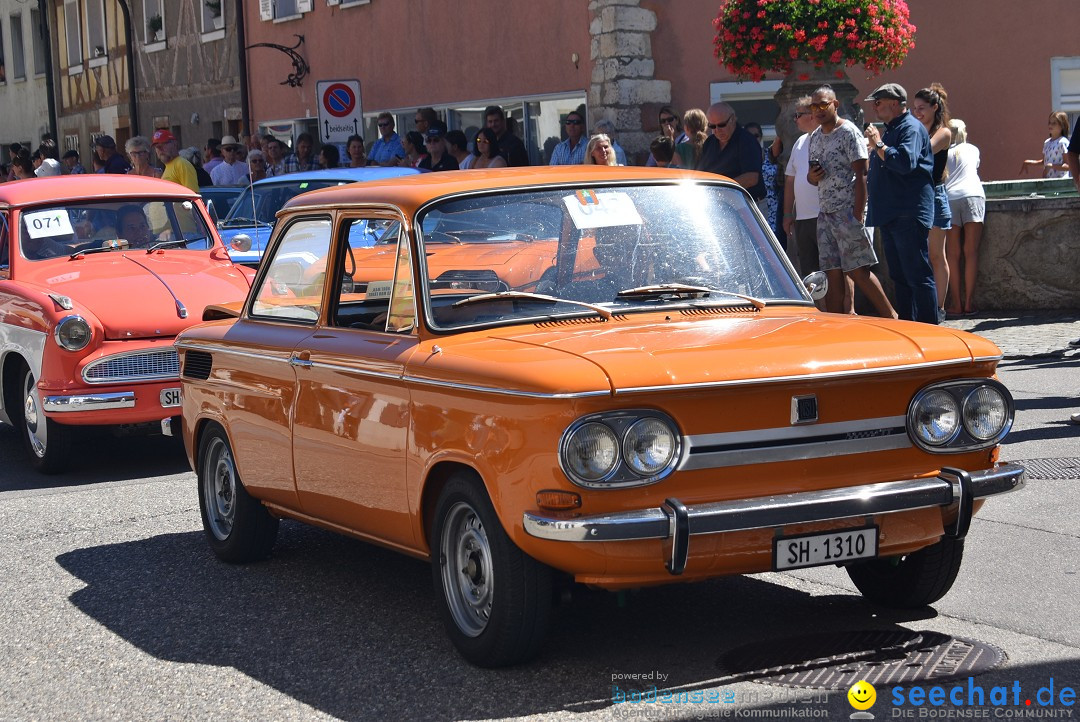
(755, 37)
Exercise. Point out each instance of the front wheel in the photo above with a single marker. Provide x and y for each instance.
(48, 442)
(238, 527)
(913, 580)
(495, 600)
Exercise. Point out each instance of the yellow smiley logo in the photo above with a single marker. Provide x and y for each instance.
(862, 695)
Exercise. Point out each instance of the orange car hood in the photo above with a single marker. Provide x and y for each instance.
(132, 294)
(634, 353)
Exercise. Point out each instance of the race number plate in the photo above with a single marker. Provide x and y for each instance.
(811, 550)
(171, 397)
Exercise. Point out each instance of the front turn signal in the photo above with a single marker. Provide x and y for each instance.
(558, 500)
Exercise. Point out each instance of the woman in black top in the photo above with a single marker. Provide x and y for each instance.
(929, 106)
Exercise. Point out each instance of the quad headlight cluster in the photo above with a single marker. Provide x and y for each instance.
(957, 416)
(73, 333)
(619, 449)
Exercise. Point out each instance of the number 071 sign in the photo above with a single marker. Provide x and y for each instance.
(340, 113)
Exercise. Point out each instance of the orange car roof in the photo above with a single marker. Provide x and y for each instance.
(410, 192)
(58, 189)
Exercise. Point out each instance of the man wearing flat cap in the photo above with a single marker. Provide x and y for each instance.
(438, 157)
(105, 147)
(901, 193)
(231, 170)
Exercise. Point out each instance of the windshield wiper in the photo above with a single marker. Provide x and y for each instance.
(163, 244)
(660, 290)
(523, 296)
(95, 249)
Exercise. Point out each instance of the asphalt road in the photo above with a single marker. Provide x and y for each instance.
(112, 606)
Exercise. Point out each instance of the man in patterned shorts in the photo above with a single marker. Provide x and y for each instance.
(838, 161)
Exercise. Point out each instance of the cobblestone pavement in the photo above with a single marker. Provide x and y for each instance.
(1029, 334)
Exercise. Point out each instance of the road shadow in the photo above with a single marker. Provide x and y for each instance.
(98, 455)
(352, 630)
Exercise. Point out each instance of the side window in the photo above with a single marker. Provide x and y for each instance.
(291, 287)
(4, 263)
(371, 295)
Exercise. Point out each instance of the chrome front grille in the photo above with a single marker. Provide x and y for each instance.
(133, 366)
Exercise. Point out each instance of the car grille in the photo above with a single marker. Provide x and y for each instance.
(134, 366)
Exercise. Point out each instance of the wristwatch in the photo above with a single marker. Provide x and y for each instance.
(879, 145)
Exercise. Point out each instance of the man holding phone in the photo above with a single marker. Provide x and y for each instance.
(838, 160)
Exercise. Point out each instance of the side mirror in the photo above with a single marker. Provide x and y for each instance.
(817, 284)
(242, 242)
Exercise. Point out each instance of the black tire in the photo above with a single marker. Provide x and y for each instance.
(47, 443)
(913, 580)
(238, 527)
(496, 606)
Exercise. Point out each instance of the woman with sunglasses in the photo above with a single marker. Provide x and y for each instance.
(670, 127)
(487, 150)
(138, 150)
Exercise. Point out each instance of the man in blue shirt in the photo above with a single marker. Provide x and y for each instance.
(386, 150)
(902, 201)
(572, 150)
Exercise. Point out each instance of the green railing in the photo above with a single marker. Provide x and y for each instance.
(1035, 188)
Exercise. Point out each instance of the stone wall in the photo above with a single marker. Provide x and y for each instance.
(623, 89)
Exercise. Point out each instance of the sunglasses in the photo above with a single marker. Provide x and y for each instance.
(799, 114)
(669, 120)
(821, 106)
(726, 123)
(482, 139)
(571, 121)
(384, 124)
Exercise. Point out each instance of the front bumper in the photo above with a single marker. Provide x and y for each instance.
(89, 402)
(676, 522)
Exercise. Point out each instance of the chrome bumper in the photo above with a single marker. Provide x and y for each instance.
(89, 402)
(676, 522)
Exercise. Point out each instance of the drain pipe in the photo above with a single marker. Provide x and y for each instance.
(241, 43)
(129, 39)
(50, 87)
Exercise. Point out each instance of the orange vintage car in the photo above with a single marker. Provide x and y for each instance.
(656, 401)
(98, 274)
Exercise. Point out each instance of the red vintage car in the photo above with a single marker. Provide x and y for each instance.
(98, 274)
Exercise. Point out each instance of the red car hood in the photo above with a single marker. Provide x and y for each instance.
(770, 345)
(140, 295)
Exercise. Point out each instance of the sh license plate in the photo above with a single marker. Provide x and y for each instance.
(811, 550)
(171, 397)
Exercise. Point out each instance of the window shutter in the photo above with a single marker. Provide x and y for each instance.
(304, 6)
(266, 9)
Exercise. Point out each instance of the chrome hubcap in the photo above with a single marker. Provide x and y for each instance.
(35, 425)
(467, 572)
(219, 489)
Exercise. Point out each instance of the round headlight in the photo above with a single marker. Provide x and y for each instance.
(592, 452)
(936, 418)
(73, 333)
(985, 413)
(649, 446)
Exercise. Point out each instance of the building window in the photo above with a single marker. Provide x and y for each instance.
(73, 36)
(752, 102)
(95, 32)
(18, 54)
(284, 9)
(39, 47)
(3, 70)
(71, 142)
(1065, 87)
(154, 12)
(213, 15)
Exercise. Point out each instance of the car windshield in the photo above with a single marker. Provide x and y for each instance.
(259, 204)
(509, 257)
(67, 229)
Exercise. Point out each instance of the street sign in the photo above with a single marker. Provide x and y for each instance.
(340, 113)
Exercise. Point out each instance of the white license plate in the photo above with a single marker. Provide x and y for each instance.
(793, 552)
(171, 397)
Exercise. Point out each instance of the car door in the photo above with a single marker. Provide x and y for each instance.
(284, 311)
(352, 406)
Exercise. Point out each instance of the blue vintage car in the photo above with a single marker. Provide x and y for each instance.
(247, 228)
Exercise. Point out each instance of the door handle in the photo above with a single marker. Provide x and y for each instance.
(301, 359)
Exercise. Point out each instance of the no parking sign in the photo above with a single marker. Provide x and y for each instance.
(340, 113)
